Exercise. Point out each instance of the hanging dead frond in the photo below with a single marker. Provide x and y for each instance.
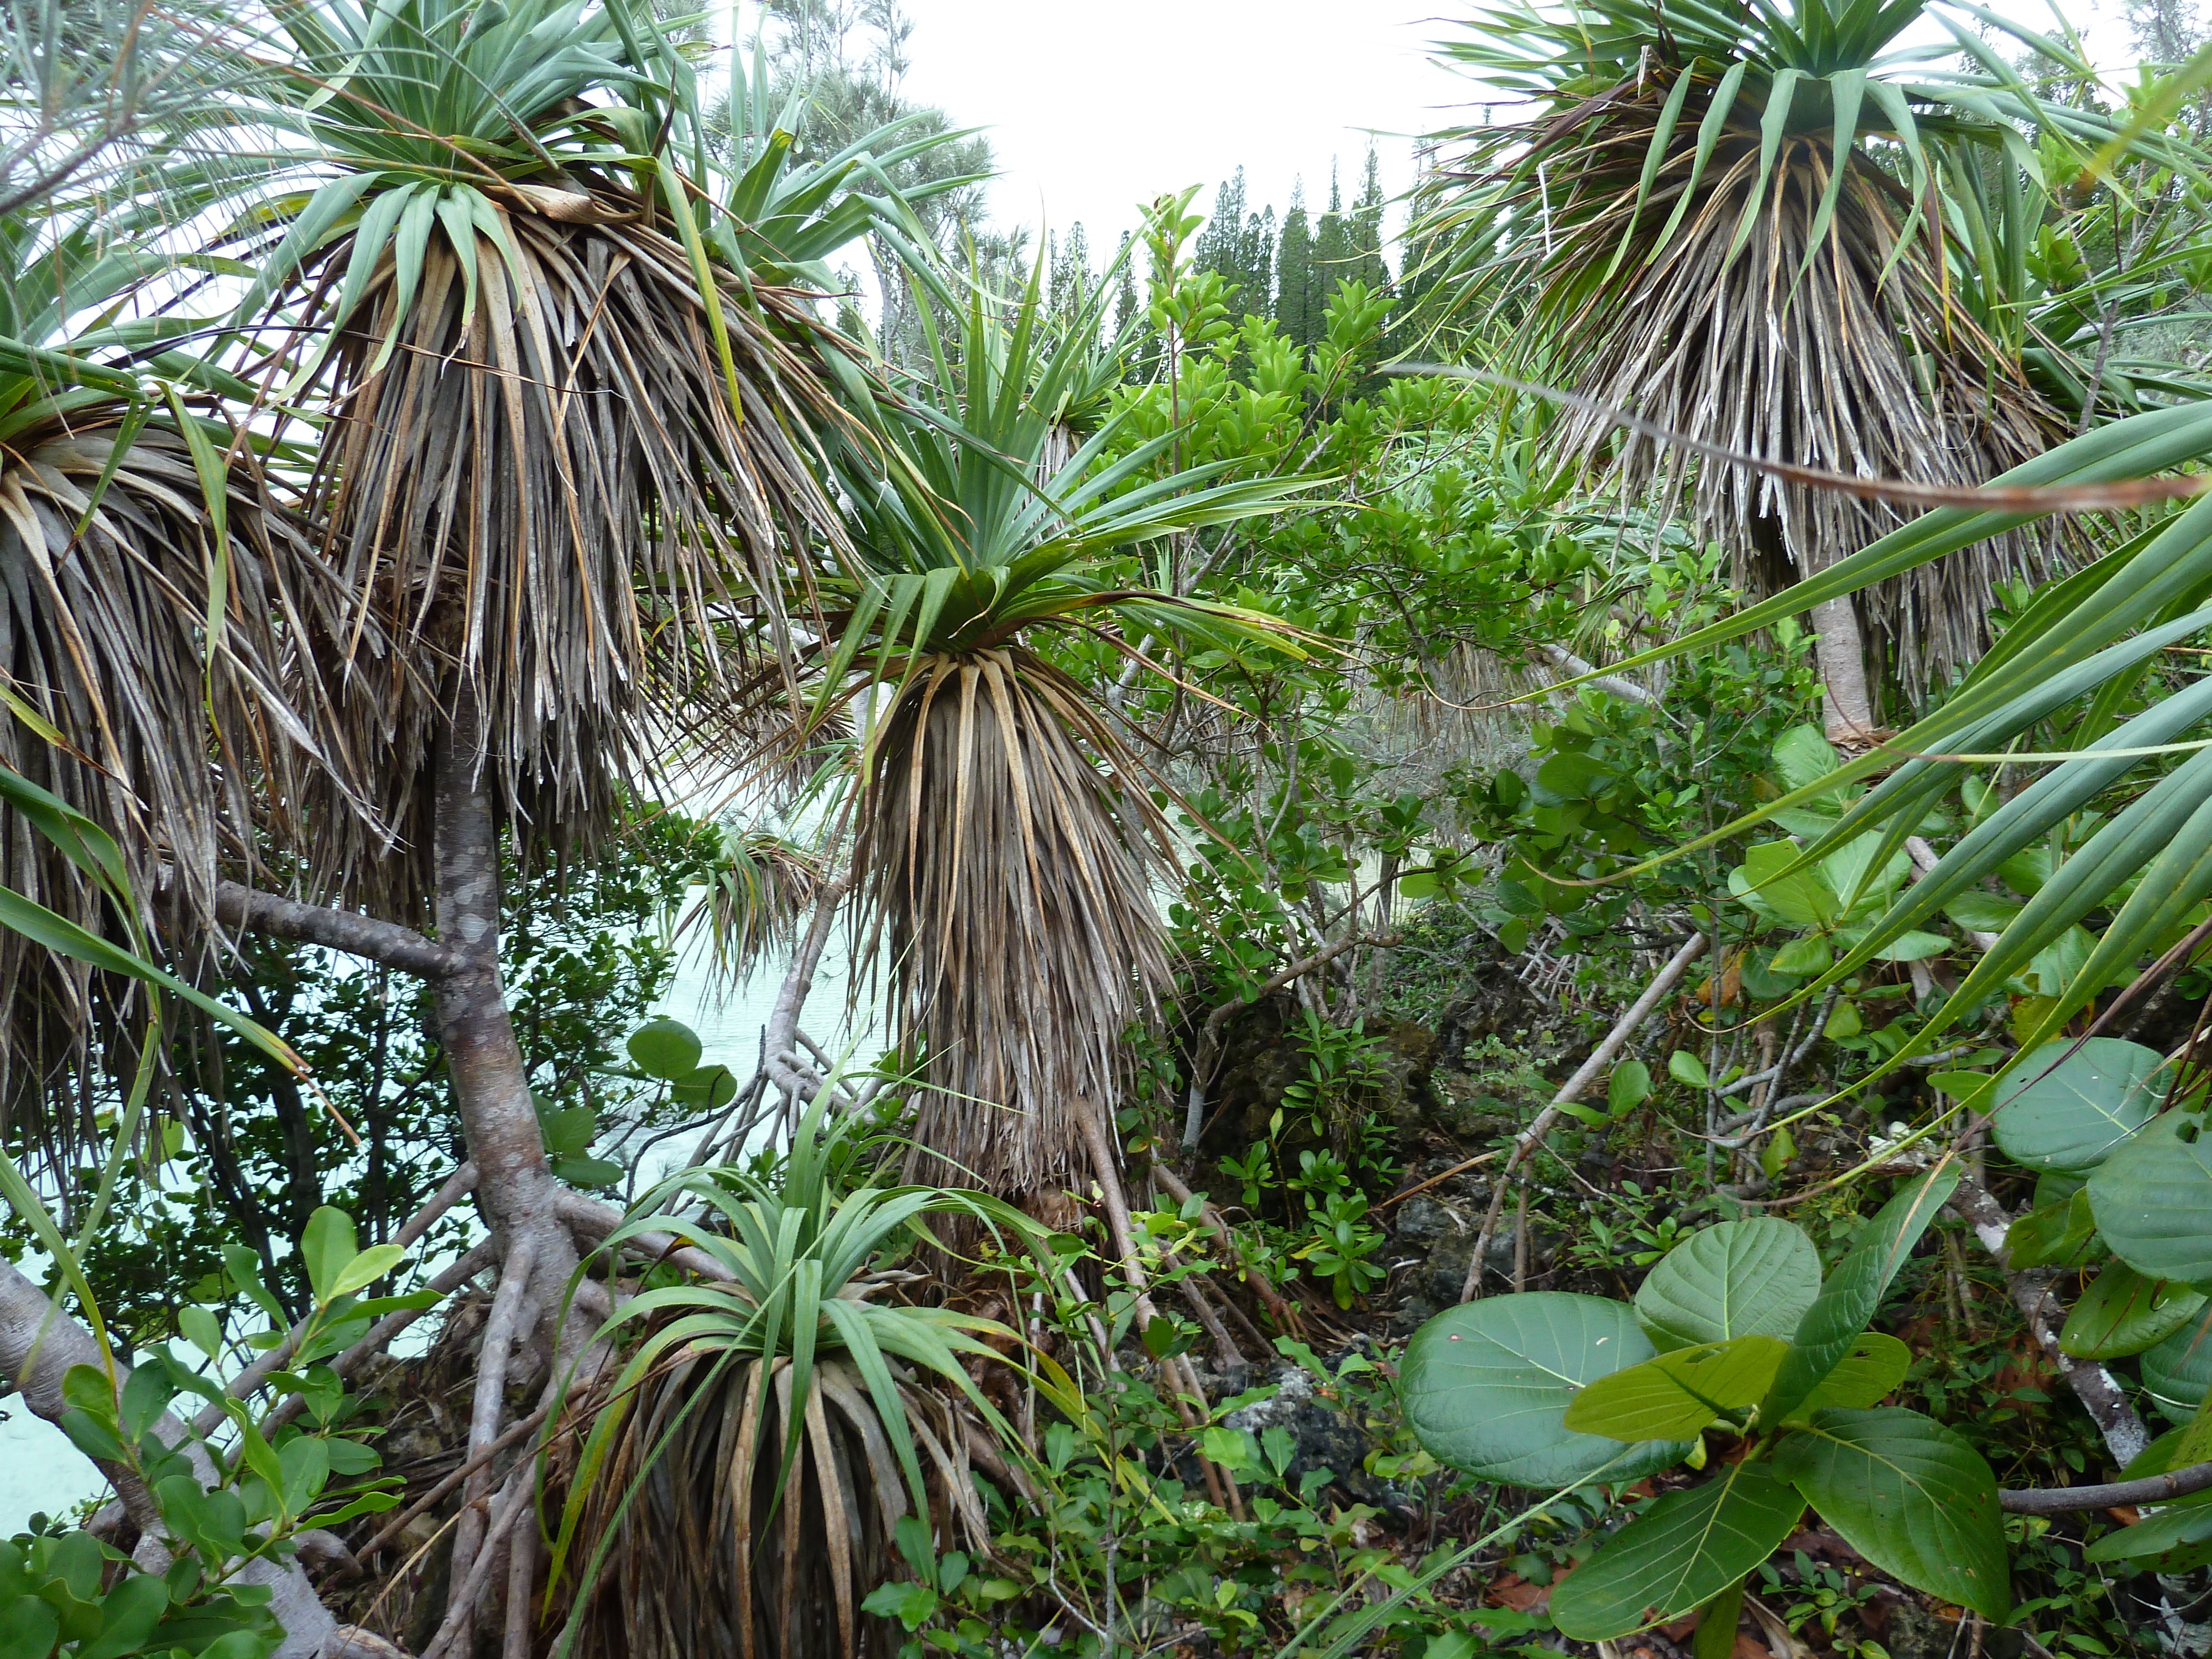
(544, 494)
(1006, 890)
(1844, 356)
(120, 700)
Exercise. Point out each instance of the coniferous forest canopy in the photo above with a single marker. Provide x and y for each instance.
(1526, 864)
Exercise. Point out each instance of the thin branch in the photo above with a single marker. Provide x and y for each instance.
(2125, 1437)
(1601, 1057)
(2154, 1489)
(390, 1535)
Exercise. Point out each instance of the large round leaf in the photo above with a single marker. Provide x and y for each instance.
(1740, 1279)
(1909, 1495)
(2079, 1102)
(2153, 1199)
(2179, 1370)
(1679, 1553)
(666, 1048)
(1486, 1385)
(2123, 1313)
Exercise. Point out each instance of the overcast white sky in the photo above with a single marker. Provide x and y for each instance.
(1094, 109)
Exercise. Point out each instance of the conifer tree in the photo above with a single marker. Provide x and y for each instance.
(1297, 290)
(1332, 248)
(1365, 231)
(1071, 280)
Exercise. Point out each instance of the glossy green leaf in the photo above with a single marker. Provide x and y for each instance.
(664, 1049)
(2153, 1199)
(2123, 1313)
(1733, 1279)
(1911, 1496)
(1629, 1087)
(28, 1629)
(1689, 1548)
(1676, 1396)
(1863, 1377)
(1833, 1325)
(326, 1246)
(2069, 1105)
(1487, 1387)
(2174, 1540)
(2178, 1370)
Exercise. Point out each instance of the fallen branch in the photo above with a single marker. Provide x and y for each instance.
(1590, 673)
(1219, 1481)
(1460, 1168)
(1286, 1317)
(2125, 1437)
(1601, 1058)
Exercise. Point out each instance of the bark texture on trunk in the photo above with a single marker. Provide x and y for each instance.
(1840, 652)
(516, 1193)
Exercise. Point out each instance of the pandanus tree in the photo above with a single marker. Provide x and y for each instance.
(1736, 222)
(151, 595)
(1007, 840)
(561, 393)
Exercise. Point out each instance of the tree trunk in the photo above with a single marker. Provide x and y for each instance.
(516, 1193)
(1840, 652)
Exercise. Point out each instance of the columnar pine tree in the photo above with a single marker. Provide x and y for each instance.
(1298, 285)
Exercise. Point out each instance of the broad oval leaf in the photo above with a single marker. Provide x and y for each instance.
(1767, 883)
(2123, 1313)
(2153, 1199)
(1677, 1555)
(1874, 1366)
(2093, 1096)
(1629, 1087)
(1735, 1279)
(326, 1245)
(1911, 1496)
(2178, 1370)
(1487, 1387)
(1833, 1325)
(666, 1048)
(1676, 1396)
